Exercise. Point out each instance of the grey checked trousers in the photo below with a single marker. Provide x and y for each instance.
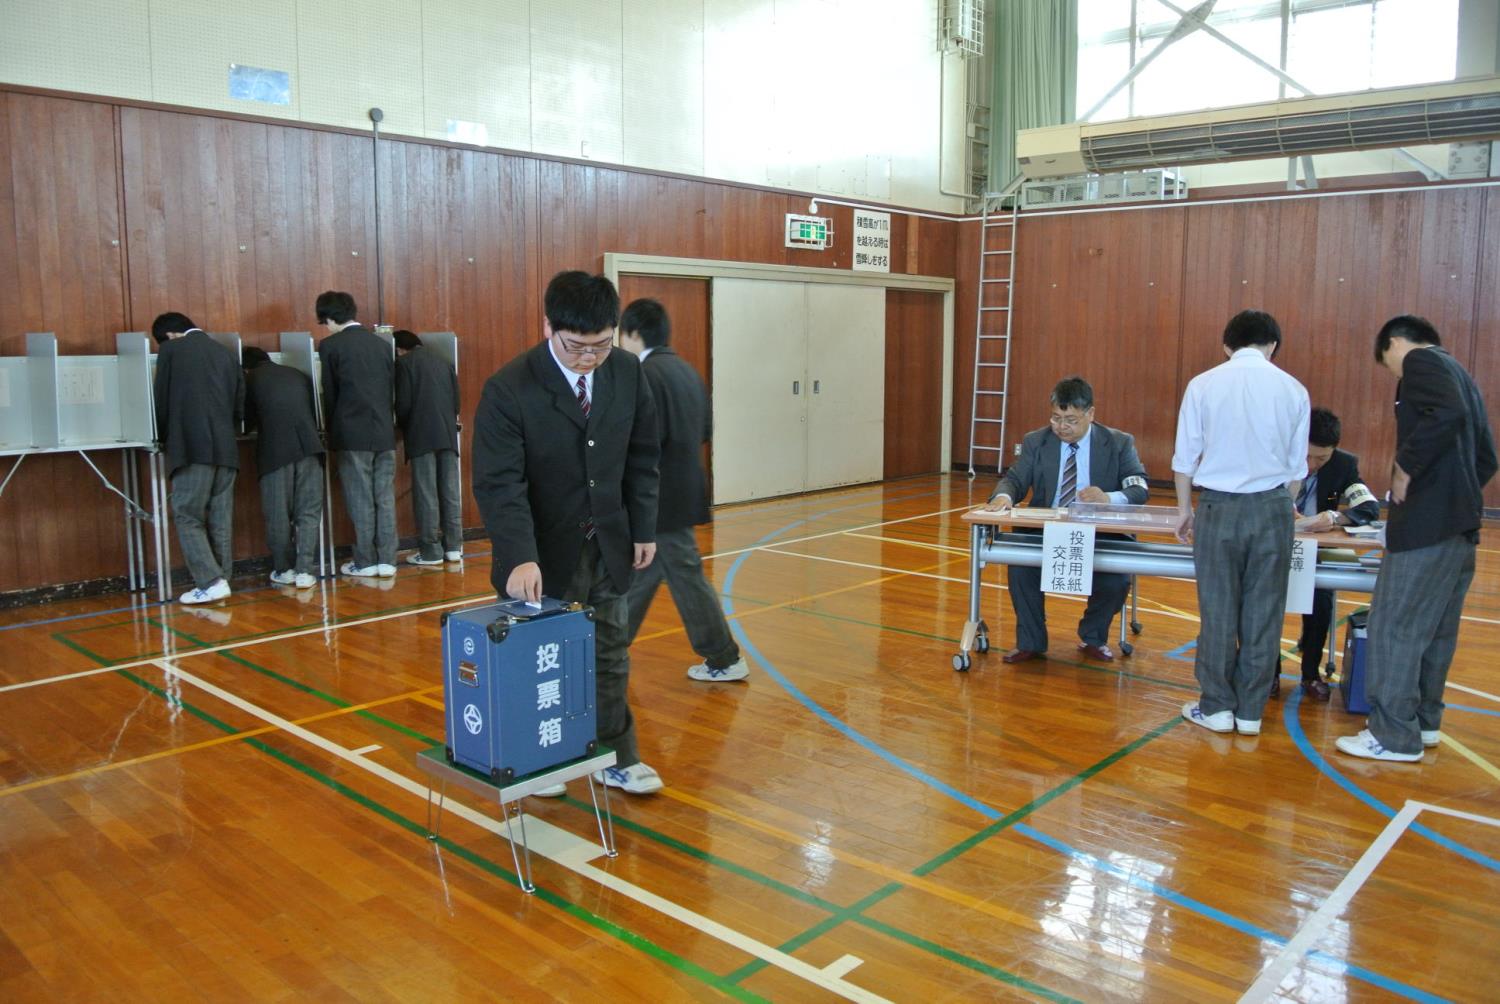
(203, 506)
(369, 482)
(292, 498)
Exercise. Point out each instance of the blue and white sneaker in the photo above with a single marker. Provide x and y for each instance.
(1366, 745)
(737, 671)
(1219, 721)
(217, 590)
(638, 779)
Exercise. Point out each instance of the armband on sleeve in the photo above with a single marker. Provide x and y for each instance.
(1134, 481)
(1357, 494)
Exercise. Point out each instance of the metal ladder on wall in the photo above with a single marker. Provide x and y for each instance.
(992, 330)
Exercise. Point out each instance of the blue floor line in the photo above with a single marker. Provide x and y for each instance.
(1294, 729)
(1203, 909)
(1180, 652)
(1471, 709)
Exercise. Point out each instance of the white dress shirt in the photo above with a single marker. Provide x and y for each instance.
(1084, 452)
(588, 378)
(1243, 426)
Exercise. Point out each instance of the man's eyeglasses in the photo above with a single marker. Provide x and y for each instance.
(573, 348)
(1067, 421)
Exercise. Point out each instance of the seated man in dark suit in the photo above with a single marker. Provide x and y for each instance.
(565, 455)
(289, 462)
(200, 402)
(1073, 459)
(1332, 480)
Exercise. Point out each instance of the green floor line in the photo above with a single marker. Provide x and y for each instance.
(609, 927)
(856, 912)
(236, 639)
(307, 689)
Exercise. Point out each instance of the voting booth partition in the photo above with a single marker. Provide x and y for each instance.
(88, 404)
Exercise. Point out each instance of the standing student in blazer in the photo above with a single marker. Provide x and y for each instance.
(358, 374)
(289, 463)
(1332, 481)
(1072, 458)
(200, 401)
(685, 424)
(1445, 455)
(427, 412)
(565, 458)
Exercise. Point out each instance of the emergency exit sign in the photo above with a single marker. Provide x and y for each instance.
(806, 231)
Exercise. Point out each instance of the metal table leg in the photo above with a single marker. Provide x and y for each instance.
(976, 634)
(606, 821)
(525, 877)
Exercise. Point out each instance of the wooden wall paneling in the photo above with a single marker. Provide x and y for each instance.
(62, 273)
(1484, 355)
(1098, 295)
(914, 382)
(965, 302)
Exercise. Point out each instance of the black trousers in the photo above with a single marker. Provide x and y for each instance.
(1315, 634)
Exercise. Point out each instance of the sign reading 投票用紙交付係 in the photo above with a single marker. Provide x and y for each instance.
(1068, 558)
(872, 241)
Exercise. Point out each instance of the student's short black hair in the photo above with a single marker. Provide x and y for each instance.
(1073, 392)
(647, 319)
(336, 306)
(407, 340)
(252, 356)
(581, 303)
(1252, 327)
(1323, 428)
(1417, 330)
(170, 323)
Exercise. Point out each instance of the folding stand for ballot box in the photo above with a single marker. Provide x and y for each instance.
(434, 763)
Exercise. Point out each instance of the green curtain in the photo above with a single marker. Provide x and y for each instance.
(1035, 78)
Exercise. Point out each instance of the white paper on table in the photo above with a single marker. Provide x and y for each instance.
(1068, 559)
(1301, 579)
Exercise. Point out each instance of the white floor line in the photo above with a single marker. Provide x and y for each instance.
(367, 749)
(545, 840)
(1458, 814)
(1312, 931)
(835, 533)
(843, 965)
(359, 621)
(909, 543)
(954, 578)
(1470, 690)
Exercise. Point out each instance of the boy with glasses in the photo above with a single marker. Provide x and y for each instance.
(565, 475)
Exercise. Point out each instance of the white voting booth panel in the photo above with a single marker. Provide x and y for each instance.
(798, 387)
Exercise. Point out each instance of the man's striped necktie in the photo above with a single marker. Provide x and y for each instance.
(1070, 478)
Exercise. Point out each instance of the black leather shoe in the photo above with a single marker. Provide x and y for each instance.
(1016, 655)
(1316, 689)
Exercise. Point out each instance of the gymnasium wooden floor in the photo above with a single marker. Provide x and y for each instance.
(221, 804)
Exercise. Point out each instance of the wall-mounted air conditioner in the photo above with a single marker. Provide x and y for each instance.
(1364, 120)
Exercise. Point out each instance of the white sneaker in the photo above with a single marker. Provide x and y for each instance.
(1431, 739)
(386, 571)
(305, 580)
(417, 559)
(453, 556)
(1245, 728)
(368, 572)
(285, 578)
(1219, 721)
(707, 674)
(217, 591)
(551, 791)
(1366, 745)
(638, 779)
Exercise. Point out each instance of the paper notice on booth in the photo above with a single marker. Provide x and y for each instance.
(1068, 559)
(1300, 579)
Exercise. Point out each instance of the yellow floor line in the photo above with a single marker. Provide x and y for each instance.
(431, 703)
(801, 599)
(884, 871)
(1472, 757)
(206, 744)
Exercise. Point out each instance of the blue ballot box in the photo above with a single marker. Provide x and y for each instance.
(518, 686)
(1352, 681)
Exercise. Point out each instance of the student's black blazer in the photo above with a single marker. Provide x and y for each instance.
(541, 472)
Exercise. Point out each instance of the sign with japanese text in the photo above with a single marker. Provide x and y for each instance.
(1068, 558)
(872, 241)
(1299, 582)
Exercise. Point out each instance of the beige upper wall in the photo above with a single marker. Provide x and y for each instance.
(834, 96)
